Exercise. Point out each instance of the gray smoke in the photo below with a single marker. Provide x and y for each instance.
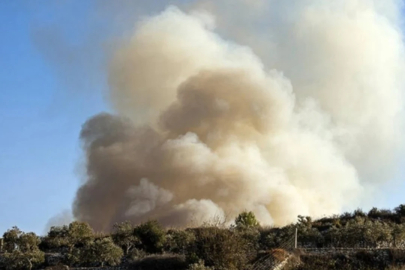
(303, 118)
(63, 218)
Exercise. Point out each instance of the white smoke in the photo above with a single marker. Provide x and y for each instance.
(206, 128)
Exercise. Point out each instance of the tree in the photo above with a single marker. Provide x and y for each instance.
(220, 248)
(21, 250)
(152, 236)
(374, 213)
(79, 233)
(400, 210)
(23, 260)
(10, 239)
(359, 213)
(177, 241)
(246, 220)
(28, 242)
(58, 237)
(105, 251)
(305, 222)
(124, 236)
(74, 238)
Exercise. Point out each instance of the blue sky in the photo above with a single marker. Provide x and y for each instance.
(40, 115)
(51, 81)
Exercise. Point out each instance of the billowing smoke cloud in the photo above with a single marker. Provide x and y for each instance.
(205, 128)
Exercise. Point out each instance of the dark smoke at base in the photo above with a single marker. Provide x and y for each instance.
(203, 129)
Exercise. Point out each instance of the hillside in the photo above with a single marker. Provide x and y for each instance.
(358, 240)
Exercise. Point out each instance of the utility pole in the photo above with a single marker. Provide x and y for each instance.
(296, 236)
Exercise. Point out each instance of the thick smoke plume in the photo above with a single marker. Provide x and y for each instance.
(206, 128)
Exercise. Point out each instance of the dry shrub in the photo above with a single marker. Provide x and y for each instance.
(220, 248)
(279, 254)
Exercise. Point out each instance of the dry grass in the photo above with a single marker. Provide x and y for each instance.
(279, 254)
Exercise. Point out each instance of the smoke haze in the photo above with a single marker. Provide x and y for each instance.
(277, 108)
(63, 218)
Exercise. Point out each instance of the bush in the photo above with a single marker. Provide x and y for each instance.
(151, 235)
(106, 252)
(177, 241)
(77, 234)
(76, 256)
(246, 220)
(124, 236)
(135, 255)
(364, 260)
(220, 248)
(101, 252)
(252, 238)
(57, 238)
(21, 250)
(199, 266)
(22, 260)
(276, 237)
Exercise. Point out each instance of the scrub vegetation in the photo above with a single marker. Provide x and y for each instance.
(373, 240)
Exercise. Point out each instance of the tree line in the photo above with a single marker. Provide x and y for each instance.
(77, 245)
(212, 246)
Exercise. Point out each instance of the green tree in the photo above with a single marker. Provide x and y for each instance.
(58, 237)
(177, 241)
(76, 238)
(28, 242)
(77, 256)
(79, 233)
(124, 236)
(23, 260)
(21, 250)
(10, 239)
(152, 236)
(106, 252)
(246, 220)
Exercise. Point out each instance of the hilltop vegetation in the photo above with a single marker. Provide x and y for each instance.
(214, 246)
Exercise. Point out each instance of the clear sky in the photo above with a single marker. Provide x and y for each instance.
(44, 103)
(51, 81)
(40, 113)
